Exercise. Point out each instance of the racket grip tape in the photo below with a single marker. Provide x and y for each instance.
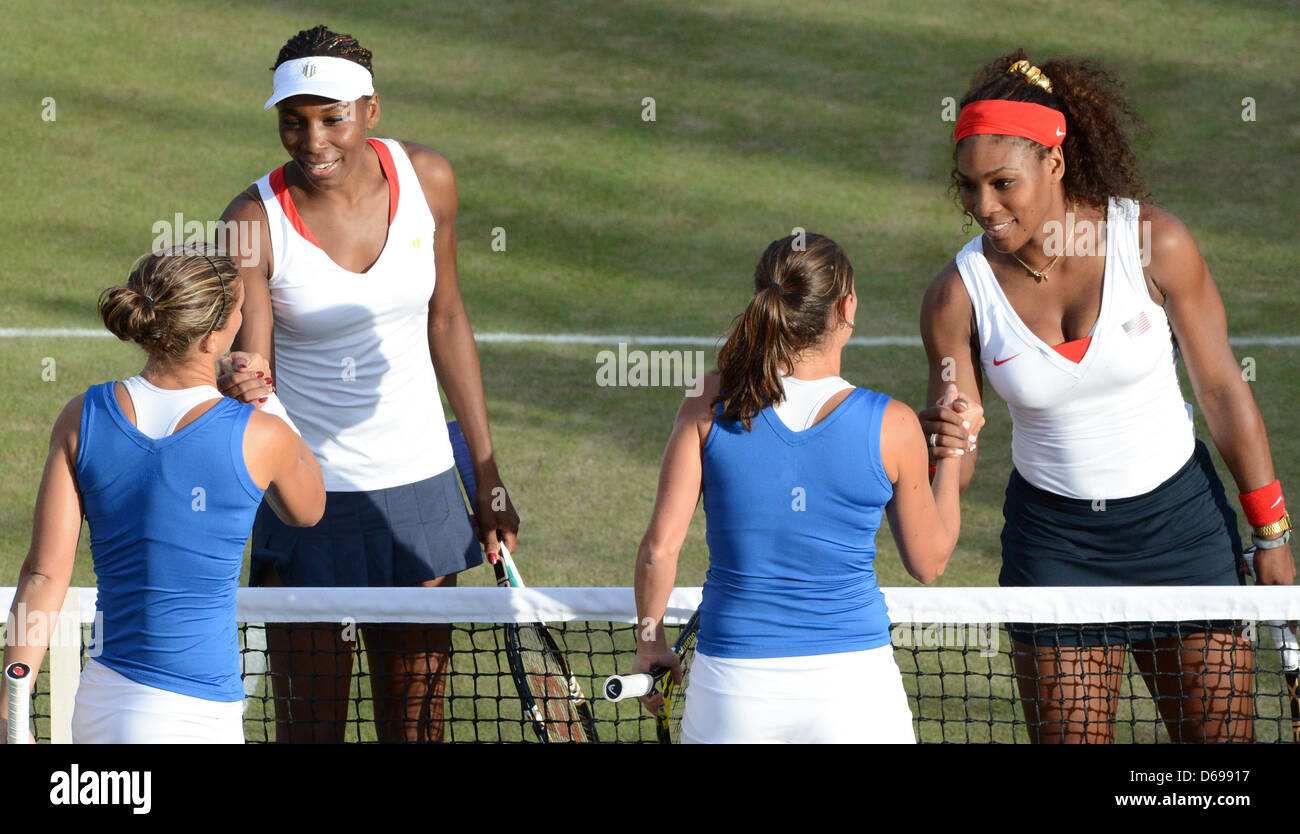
(621, 687)
(18, 676)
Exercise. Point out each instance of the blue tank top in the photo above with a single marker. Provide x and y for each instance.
(168, 521)
(792, 520)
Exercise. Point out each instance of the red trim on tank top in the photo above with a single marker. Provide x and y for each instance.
(390, 174)
(282, 197)
(1074, 351)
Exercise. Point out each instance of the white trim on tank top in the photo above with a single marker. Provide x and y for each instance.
(804, 399)
(159, 410)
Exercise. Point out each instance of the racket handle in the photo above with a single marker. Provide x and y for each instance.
(19, 678)
(1285, 640)
(621, 687)
(1282, 635)
(511, 571)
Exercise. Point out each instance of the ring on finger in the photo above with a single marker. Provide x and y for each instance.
(934, 439)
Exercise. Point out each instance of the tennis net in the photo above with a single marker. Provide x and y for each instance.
(316, 665)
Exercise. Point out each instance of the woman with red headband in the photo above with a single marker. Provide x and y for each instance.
(1075, 302)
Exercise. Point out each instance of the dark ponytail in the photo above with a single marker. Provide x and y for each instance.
(797, 284)
(1099, 162)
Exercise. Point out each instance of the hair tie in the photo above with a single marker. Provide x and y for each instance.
(149, 298)
(1032, 74)
(774, 285)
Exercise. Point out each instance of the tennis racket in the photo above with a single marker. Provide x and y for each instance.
(668, 722)
(19, 678)
(1288, 648)
(552, 699)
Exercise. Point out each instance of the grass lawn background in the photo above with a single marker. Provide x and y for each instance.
(768, 115)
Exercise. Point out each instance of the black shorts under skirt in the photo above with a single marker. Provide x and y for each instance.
(1183, 532)
(400, 536)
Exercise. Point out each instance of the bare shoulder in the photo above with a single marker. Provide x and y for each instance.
(897, 411)
(431, 166)
(436, 178)
(946, 294)
(247, 205)
(899, 419)
(67, 426)
(71, 412)
(699, 407)
(947, 315)
(1175, 258)
(1169, 235)
(899, 427)
(269, 430)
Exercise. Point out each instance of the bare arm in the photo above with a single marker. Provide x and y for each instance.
(47, 570)
(948, 331)
(455, 354)
(1200, 324)
(280, 462)
(246, 238)
(680, 476)
(924, 517)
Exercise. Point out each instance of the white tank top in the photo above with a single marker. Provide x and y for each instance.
(158, 410)
(804, 399)
(352, 363)
(1114, 425)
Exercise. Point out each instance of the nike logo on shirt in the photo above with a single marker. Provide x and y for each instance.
(1008, 359)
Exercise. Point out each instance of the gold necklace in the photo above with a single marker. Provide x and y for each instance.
(1041, 275)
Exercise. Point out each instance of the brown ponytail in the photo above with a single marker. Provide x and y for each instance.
(797, 284)
(171, 299)
(1099, 163)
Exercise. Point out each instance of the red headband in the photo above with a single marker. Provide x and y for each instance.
(1012, 118)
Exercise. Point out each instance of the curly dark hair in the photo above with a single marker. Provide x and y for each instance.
(321, 42)
(1099, 163)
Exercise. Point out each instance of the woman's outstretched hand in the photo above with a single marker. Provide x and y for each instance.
(245, 377)
(952, 425)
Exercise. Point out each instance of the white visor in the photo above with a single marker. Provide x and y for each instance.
(333, 78)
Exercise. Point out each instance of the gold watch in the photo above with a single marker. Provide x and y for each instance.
(1277, 528)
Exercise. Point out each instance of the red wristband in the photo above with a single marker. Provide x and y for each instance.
(933, 469)
(1264, 505)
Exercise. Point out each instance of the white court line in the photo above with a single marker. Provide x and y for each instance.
(608, 338)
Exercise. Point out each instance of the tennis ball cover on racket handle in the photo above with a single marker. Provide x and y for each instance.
(621, 687)
(19, 678)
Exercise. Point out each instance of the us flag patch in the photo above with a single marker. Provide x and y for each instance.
(1137, 326)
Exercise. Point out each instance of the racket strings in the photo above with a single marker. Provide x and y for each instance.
(676, 704)
(554, 691)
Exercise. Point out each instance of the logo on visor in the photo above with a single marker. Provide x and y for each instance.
(308, 70)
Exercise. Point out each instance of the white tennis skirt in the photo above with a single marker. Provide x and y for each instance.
(844, 698)
(112, 709)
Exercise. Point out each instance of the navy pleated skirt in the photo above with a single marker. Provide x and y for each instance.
(1183, 532)
(399, 536)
